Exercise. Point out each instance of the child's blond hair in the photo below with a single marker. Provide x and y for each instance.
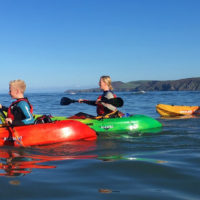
(18, 84)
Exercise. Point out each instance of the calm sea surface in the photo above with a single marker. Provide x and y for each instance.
(161, 166)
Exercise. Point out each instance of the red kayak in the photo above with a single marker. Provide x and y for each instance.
(47, 133)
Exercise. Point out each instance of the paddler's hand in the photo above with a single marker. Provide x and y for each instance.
(8, 121)
(98, 101)
(0, 106)
(80, 100)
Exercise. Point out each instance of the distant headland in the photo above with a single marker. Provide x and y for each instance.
(188, 84)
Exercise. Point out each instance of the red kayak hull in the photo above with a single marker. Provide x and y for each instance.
(48, 133)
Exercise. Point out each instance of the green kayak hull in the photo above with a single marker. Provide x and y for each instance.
(131, 124)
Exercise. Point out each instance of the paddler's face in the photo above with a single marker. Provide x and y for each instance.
(13, 92)
(102, 84)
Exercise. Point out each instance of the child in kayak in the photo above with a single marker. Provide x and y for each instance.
(20, 111)
(103, 108)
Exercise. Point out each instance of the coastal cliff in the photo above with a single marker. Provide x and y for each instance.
(188, 84)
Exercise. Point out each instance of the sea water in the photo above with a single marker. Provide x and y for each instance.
(165, 165)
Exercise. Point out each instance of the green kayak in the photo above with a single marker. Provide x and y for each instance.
(131, 124)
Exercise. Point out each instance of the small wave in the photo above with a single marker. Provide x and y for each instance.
(139, 92)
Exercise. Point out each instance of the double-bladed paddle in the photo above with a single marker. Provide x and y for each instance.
(117, 102)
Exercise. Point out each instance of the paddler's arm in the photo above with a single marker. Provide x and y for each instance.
(25, 108)
(92, 103)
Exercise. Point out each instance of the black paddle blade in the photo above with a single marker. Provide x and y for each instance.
(117, 102)
(66, 101)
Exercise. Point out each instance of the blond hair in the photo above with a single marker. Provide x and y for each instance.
(107, 80)
(18, 84)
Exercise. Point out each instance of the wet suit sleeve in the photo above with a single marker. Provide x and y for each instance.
(92, 103)
(26, 111)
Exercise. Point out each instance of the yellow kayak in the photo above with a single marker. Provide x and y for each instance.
(177, 110)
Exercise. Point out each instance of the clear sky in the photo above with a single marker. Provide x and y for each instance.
(70, 43)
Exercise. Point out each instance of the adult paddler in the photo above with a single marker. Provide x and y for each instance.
(103, 108)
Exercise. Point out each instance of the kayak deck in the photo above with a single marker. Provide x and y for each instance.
(43, 134)
(135, 123)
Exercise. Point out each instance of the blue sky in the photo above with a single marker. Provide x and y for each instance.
(62, 44)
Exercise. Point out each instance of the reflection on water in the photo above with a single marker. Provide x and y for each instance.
(15, 163)
(180, 117)
(21, 161)
(112, 158)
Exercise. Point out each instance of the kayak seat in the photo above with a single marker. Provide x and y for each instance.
(114, 114)
(43, 119)
(81, 115)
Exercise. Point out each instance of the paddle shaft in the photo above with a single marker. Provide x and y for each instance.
(15, 134)
(117, 102)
